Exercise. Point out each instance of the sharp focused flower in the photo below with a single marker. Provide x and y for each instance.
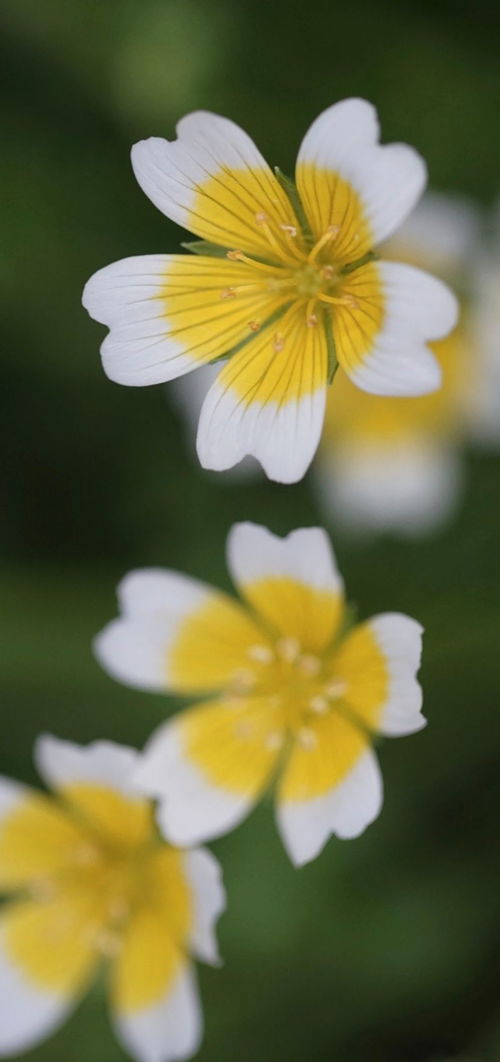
(294, 694)
(91, 881)
(285, 283)
(395, 463)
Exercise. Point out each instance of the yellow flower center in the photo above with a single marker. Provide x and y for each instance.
(300, 686)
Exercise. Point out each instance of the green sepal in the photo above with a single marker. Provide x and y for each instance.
(212, 250)
(370, 256)
(333, 363)
(290, 189)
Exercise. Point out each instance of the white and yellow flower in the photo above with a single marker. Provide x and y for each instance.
(285, 283)
(291, 692)
(395, 464)
(88, 880)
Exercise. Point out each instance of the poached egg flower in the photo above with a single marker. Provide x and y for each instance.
(288, 692)
(88, 881)
(285, 283)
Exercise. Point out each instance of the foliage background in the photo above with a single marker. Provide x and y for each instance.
(387, 949)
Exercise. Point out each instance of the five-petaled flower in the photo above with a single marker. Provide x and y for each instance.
(285, 284)
(91, 881)
(294, 693)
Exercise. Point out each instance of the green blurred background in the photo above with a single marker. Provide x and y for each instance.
(386, 949)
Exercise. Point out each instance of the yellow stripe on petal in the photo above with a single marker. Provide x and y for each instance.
(37, 839)
(323, 754)
(212, 304)
(53, 944)
(296, 610)
(151, 954)
(331, 202)
(211, 646)
(234, 744)
(361, 668)
(358, 320)
(117, 820)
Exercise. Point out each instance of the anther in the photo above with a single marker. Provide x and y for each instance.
(288, 649)
(118, 909)
(319, 705)
(228, 293)
(328, 272)
(107, 943)
(312, 320)
(337, 688)
(244, 678)
(308, 664)
(86, 855)
(274, 741)
(307, 738)
(234, 256)
(261, 218)
(261, 653)
(291, 229)
(278, 342)
(243, 729)
(254, 326)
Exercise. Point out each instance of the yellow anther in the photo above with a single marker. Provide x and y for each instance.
(274, 741)
(254, 326)
(243, 729)
(228, 293)
(308, 664)
(307, 738)
(312, 320)
(278, 342)
(261, 653)
(288, 649)
(319, 705)
(244, 679)
(339, 300)
(290, 229)
(234, 256)
(337, 688)
(86, 855)
(118, 909)
(328, 272)
(43, 890)
(107, 942)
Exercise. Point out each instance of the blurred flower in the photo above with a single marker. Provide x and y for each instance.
(285, 283)
(295, 692)
(92, 881)
(395, 463)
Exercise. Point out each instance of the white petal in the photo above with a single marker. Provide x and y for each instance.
(129, 297)
(306, 555)
(282, 437)
(28, 1013)
(12, 794)
(205, 877)
(167, 1031)
(418, 308)
(154, 602)
(346, 810)
(389, 180)
(400, 639)
(408, 488)
(62, 763)
(213, 181)
(190, 808)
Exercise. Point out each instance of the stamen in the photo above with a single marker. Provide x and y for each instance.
(243, 729)
(308, 664)
(288, 649)
(263, 224)
(312, 320)
(319, 705)
(254, 326)
(290, 229)
(228, 293)
(118, 909)
(43, 890)
(337, 688)
(327, 236)
(274, 741)
(307, 738)
(86, 855)
(339, 300)
(244, 679)
(278, 342)
(240, 256)
(328, 272)
(261, 653)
